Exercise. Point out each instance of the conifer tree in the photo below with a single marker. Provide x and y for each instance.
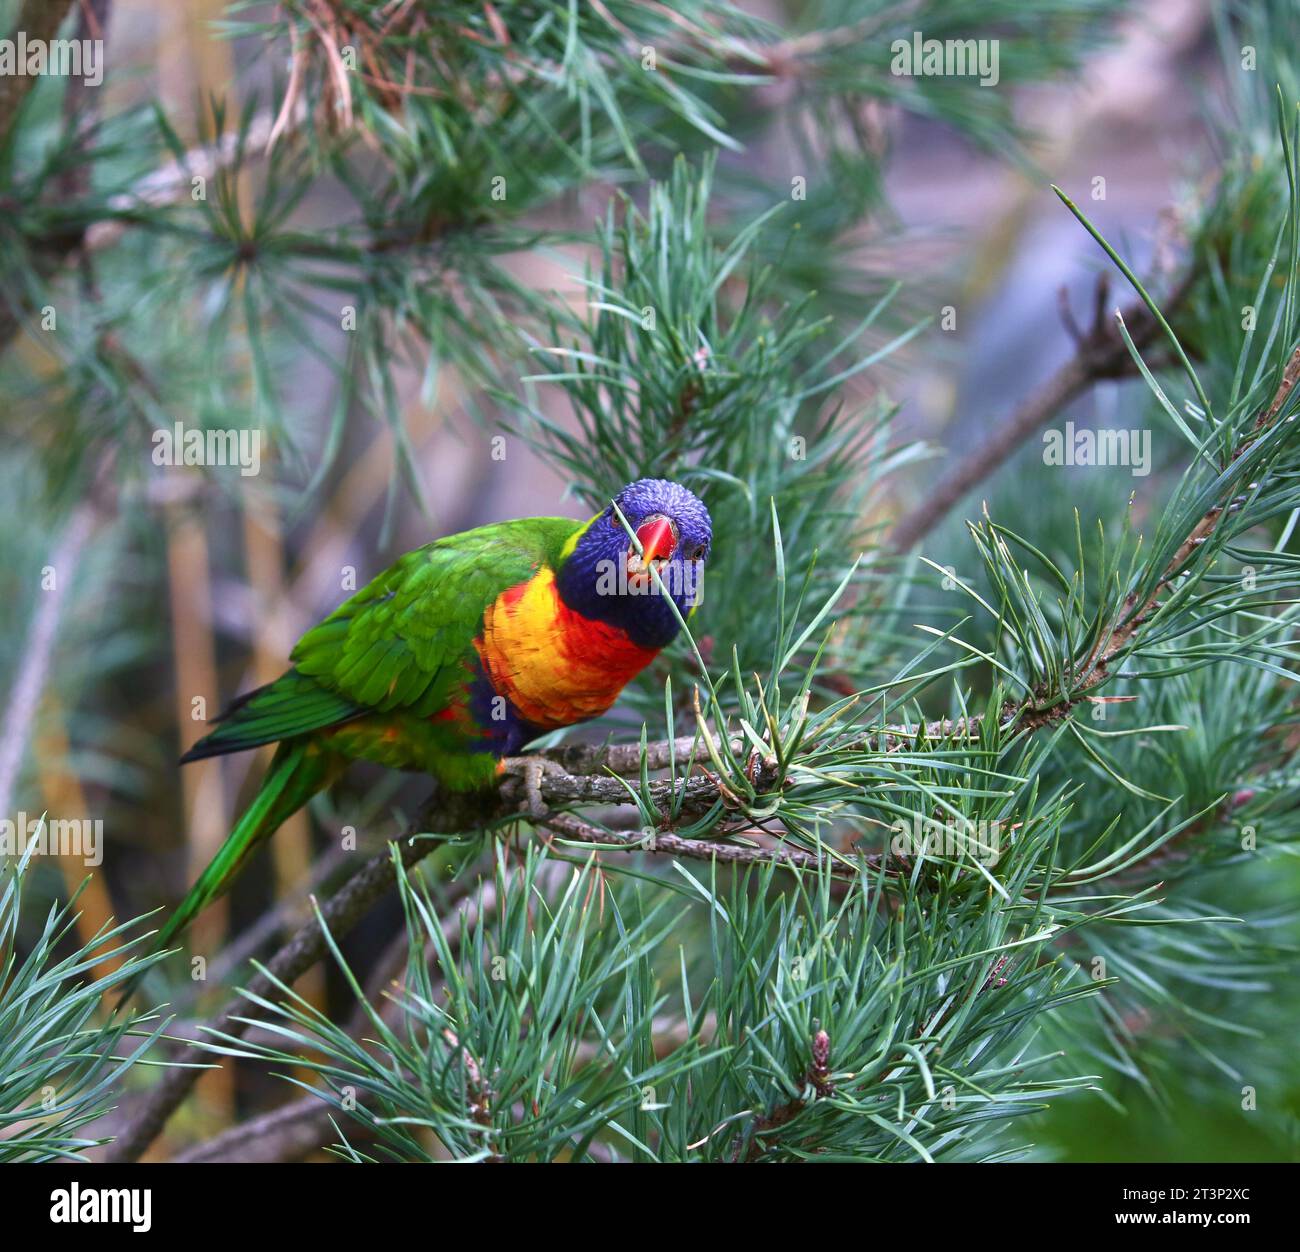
(964, 805)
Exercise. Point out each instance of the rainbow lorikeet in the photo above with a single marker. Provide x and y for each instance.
(460, 653)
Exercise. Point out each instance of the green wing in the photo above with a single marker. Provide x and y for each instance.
(397, 643)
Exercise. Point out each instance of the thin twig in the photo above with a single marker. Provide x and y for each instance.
(668, 844)
(581, 760)
(25, 698)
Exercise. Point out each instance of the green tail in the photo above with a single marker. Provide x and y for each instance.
(298, 770)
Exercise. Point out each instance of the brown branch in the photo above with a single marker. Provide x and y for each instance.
(575, 787)
(1290, 376)
(715, 850)
(275, 918)
(288, 1133)
(579, 760)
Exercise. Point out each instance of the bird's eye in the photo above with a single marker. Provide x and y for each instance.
(693, 551)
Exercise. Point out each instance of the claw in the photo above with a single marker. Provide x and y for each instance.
(532, 769)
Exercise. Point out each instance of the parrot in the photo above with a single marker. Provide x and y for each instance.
(460, 653)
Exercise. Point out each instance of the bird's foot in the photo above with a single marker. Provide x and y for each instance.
(532, 769)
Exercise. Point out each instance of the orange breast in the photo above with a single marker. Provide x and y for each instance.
(554, 665)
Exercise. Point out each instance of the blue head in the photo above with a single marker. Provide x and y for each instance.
(605, 578)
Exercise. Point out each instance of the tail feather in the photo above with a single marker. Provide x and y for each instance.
(293, 704)
(297, 772)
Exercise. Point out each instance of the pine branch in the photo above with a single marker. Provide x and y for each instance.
(308, 945)
(61, 1063)
(449, 813)
(173, 179)
(581, 760)
(1136, 615)
(288, 1133)
(127, 208)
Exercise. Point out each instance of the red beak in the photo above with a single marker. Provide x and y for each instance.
(656, 539)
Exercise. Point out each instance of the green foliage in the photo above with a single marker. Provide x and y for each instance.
(1186, 732)
(61, 1064)
(934, 977)
(476, 122)
(1095, 718)
(529, 1032)
(536, 1030)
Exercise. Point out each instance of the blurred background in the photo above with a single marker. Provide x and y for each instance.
(192, 587)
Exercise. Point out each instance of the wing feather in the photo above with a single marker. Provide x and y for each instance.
(400, 642)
